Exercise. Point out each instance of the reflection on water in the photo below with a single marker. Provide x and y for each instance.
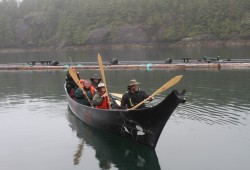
(44, 85)
(213, 125)
(217, 98)
(213, 114)
(111, 150)
(127, 54)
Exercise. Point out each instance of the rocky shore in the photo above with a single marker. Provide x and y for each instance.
(205, 40)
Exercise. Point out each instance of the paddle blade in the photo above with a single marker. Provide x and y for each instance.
(103, 75)
(167, 85)
(101, 69)
(74, 76)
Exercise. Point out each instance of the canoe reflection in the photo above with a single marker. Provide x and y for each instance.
(111, 149)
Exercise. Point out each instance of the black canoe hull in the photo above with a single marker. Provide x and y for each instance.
(142, 126)
(123, 154)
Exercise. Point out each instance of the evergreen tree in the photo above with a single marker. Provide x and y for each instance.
(31, 23)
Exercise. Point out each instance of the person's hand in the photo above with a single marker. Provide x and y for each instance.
(150, 98)
(91, 104)
(84, 93)
(104, 95)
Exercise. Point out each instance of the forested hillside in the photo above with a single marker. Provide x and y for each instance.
(59, 23)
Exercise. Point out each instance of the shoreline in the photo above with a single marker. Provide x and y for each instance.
(179, 44)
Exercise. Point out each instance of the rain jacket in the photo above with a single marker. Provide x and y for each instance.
(129, 99)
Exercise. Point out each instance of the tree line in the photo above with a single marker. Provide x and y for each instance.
(42, 23)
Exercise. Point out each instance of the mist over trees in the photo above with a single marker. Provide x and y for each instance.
(59, 23)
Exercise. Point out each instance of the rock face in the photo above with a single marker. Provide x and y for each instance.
(21, 30)
(30, 33)
(99, 36)
(123, 35)
(130, 34)
(136, 34)
(34, 20)
(210, 40)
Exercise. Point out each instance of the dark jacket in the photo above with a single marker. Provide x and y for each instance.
(80, 98)
(129, 99)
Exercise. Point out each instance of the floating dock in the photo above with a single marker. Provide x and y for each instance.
(147, 65)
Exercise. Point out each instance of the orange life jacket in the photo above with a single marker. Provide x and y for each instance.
(92, 89)
(104, 104)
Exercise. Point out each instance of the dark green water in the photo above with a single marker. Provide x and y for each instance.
(210, 131)
(128, 54)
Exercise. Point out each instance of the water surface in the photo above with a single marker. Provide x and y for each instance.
(128, 54)
(210, 131)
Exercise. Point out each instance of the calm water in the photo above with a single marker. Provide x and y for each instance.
(210, 131)
(128, 54)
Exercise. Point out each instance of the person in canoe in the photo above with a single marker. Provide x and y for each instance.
(71, 85)
(100, 99)
(133, 96)
(85, 97)
(95, 80)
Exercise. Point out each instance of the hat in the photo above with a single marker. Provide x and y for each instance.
(101, 85)
(95, 76)
(133, 82)
(81, 81)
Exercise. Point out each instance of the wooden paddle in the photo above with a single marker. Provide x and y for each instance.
(73, 74)
(166, 86)
(103, 76)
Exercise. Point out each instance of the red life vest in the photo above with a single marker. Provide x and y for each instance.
(104, 104)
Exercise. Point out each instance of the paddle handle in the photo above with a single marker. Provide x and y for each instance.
(87, 97)
(103, 77)
(139, 104)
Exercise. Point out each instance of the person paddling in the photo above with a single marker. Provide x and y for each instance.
(133, 96)
(85, 97)
(100, 99)
(95, 80)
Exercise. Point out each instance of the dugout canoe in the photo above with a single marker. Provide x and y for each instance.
(143, 126)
